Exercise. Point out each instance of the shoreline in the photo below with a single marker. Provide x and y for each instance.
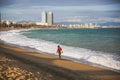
(67, 68)
(10, 28)
(12, 68)
(32, 28)
(65, 57)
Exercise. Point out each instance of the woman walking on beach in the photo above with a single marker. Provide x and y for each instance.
(59, 51)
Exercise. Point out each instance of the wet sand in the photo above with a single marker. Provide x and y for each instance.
(10, 28)
(50, 67)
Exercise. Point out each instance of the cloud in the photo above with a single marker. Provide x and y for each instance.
(104, 20)
(64, 10)
(88, 19)
(108, 19)
(59, 2)
(73, 20)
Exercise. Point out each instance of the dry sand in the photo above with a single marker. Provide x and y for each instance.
(54, 68)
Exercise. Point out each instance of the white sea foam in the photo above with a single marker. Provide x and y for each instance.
(79, 54)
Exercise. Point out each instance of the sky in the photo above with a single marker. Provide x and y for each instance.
(81, 11)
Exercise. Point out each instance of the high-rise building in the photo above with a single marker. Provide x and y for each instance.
(44, 17)
(50, 18)
(0, 18)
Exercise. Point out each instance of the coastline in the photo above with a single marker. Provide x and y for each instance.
(11, 68)
(62, 68)
(8, 29)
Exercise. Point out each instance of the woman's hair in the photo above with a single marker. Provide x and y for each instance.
(58, 45)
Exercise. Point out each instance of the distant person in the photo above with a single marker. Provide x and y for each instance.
(59, 51)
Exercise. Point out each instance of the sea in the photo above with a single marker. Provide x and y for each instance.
(95, 47)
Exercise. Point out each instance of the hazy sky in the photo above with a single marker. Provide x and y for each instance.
(95, 11)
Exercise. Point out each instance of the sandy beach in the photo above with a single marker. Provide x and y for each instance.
(23, 61)
(10, 28)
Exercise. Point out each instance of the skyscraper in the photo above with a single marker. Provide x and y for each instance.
(0, 18)
(44, 17)
(50, 18)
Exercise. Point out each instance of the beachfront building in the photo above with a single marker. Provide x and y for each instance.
(44, 17)
(40, 23)
(47, 18)
(50, 18)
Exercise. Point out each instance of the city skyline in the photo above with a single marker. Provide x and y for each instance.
(47, 18)
(81, 11)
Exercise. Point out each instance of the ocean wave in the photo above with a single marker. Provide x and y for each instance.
(75, 53)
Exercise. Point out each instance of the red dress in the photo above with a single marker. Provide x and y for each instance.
(59, 50)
